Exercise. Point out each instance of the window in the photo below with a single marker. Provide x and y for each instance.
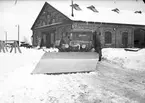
(48, 19)
(43, 23)
(108, 37)
(76, 7)
(116, 10)
(53, 20)
(93, 8)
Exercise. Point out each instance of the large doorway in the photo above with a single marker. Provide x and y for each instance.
(125, 39)
(48, 39)
(43, 40)
(139, 38)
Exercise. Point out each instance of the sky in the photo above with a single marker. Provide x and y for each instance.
(25, 12)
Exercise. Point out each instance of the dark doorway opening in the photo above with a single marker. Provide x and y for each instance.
(125, 39)
(139, 38)
(48, 39)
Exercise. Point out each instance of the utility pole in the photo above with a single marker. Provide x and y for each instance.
(6, 36)
(15, 2)
(72, 9)
(18, 33)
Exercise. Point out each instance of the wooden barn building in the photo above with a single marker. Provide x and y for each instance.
(119, 28)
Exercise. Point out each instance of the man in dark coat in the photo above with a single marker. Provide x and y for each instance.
(97, 43)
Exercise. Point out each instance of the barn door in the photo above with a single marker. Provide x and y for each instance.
(125, 39)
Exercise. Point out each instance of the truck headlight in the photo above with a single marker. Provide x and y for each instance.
(83, 46)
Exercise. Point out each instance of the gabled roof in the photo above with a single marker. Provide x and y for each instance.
(104, 15)
(42, 12)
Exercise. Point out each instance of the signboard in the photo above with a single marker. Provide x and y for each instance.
(84, 26)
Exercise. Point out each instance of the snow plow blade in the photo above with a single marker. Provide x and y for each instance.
(66, 62)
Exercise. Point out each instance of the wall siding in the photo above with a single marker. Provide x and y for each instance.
(116, 31)
(49, 16)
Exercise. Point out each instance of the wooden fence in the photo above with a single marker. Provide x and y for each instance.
(12, 44)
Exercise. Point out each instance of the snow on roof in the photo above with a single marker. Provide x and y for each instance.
(104, 15)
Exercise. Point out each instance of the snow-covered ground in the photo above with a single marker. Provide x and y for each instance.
(18, 85)
(127, 59)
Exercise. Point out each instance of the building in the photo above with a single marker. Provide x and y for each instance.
(119, 28)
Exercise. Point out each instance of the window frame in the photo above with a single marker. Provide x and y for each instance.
(108, 43)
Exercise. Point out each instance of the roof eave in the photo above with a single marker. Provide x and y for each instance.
(109, 23)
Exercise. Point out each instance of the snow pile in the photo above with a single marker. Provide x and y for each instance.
(21, 86)
(9, 62)
(51, 49)
(127, 59)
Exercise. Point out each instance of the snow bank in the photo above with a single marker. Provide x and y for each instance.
(21, 86)
(127, 59)
(51, 49)
(9, 62)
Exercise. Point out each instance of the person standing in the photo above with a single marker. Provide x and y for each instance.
(97, 42)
